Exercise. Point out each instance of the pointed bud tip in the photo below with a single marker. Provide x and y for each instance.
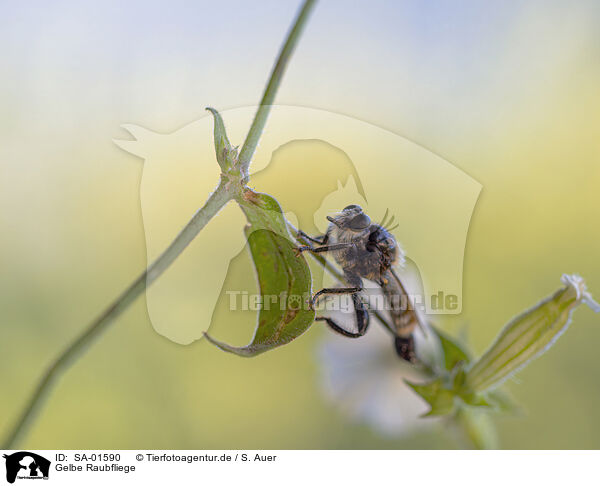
(577, 284)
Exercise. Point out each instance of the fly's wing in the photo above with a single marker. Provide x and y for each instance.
(404, 312)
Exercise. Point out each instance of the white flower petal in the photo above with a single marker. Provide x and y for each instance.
(364, 378)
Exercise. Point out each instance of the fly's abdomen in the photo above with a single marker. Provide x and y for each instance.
(402, 312)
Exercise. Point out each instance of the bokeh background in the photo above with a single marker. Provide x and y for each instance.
(506, 91)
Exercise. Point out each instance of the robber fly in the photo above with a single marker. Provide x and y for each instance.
(364, 249)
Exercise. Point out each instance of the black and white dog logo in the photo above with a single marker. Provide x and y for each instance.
(26, 465)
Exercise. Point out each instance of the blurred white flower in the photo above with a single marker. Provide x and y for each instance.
(364, 378)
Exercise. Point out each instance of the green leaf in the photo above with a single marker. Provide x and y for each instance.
(454, 351)
(441, 399)
(502, 401)
(284, 279)
(226, 154)
(475, 399)
(449, 393)
(529, 335)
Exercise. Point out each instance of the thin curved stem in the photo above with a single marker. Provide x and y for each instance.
(260, 119)
(215, 202)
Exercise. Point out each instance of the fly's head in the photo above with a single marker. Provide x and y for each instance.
(351, 221)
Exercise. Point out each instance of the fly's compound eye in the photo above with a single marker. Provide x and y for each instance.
(359, 222)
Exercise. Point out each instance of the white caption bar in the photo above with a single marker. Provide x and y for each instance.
(300, 467)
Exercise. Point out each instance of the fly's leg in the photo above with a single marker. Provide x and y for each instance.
(319, 240)
(362, 318)
(337, 246)
(343, 290)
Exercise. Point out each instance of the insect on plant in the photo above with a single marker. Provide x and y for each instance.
(364, 249)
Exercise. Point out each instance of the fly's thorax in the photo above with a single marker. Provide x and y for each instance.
(346, 235)
(386, 244)
(350, 258)
(371, 249)
(363, 258)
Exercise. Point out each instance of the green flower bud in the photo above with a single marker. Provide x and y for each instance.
(529, 335)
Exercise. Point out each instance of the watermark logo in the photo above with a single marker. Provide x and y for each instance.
(26, 465)
(314, 163)
(372, 298)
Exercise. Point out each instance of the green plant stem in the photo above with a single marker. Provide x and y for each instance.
(260, 119)
(215, 202)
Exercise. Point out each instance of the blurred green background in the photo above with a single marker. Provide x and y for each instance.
(506, 91)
